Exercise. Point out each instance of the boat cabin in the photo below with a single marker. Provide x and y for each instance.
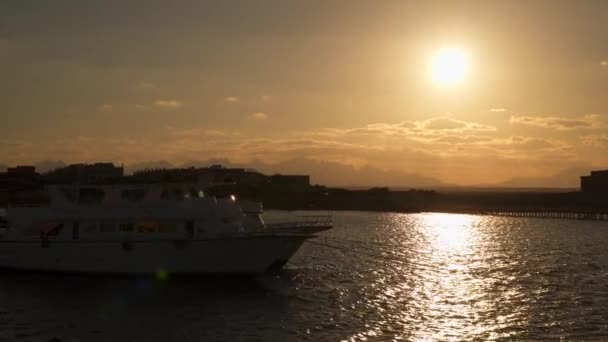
(135, 212)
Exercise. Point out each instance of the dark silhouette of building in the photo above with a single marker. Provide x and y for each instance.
(18, 180)
(221, 181)
(596, 183)
(22, 171)
(213, 174)
(84, 173)
(19, 177)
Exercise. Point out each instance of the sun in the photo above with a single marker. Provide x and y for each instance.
(449, 66)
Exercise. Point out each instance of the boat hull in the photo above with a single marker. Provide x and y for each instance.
(234, 255)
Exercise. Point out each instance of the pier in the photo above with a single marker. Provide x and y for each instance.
(563, 215)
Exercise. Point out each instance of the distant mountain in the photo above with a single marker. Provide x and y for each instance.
(567, 178)
(341, 175)
(324, 172)
(337, 174)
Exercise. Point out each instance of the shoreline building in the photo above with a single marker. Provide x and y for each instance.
(84, 173)
(595, 183)
(221, 180)
(18, 183)
(212, 174)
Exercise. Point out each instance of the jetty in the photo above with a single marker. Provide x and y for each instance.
(562, 215)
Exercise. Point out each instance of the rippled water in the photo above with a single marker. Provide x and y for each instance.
(387, 277)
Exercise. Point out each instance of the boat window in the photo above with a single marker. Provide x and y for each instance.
(43, 229)
(146, 227)
(172, 194)
(55, 231)
(70, 194)
(89, 227)
(126, 227)
(167, 228)
(76, 231)
(134, 195)
(106, 227)
(91, 196)
(177, 193)
(189, 229)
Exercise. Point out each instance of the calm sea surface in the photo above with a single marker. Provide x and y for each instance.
(387, 277)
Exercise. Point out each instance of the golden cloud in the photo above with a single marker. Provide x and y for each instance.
(589, 121)
(168, 103)
(595, 140)
(259, 116)
(231, 99)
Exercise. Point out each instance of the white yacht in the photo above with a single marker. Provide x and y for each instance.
(146, 229)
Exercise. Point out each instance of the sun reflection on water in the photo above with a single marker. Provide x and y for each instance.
(447, 286)
(441, 289)
(449, 232)
(443, 277)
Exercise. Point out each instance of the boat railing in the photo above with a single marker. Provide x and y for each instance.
(304, 221)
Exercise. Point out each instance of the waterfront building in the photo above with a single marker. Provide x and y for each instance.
(17, 182)
(595, 183)
(213, 174)
(84, 173)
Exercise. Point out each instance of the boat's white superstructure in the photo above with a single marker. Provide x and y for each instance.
(146, 229)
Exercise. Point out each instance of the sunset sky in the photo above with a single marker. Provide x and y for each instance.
(324, 85)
